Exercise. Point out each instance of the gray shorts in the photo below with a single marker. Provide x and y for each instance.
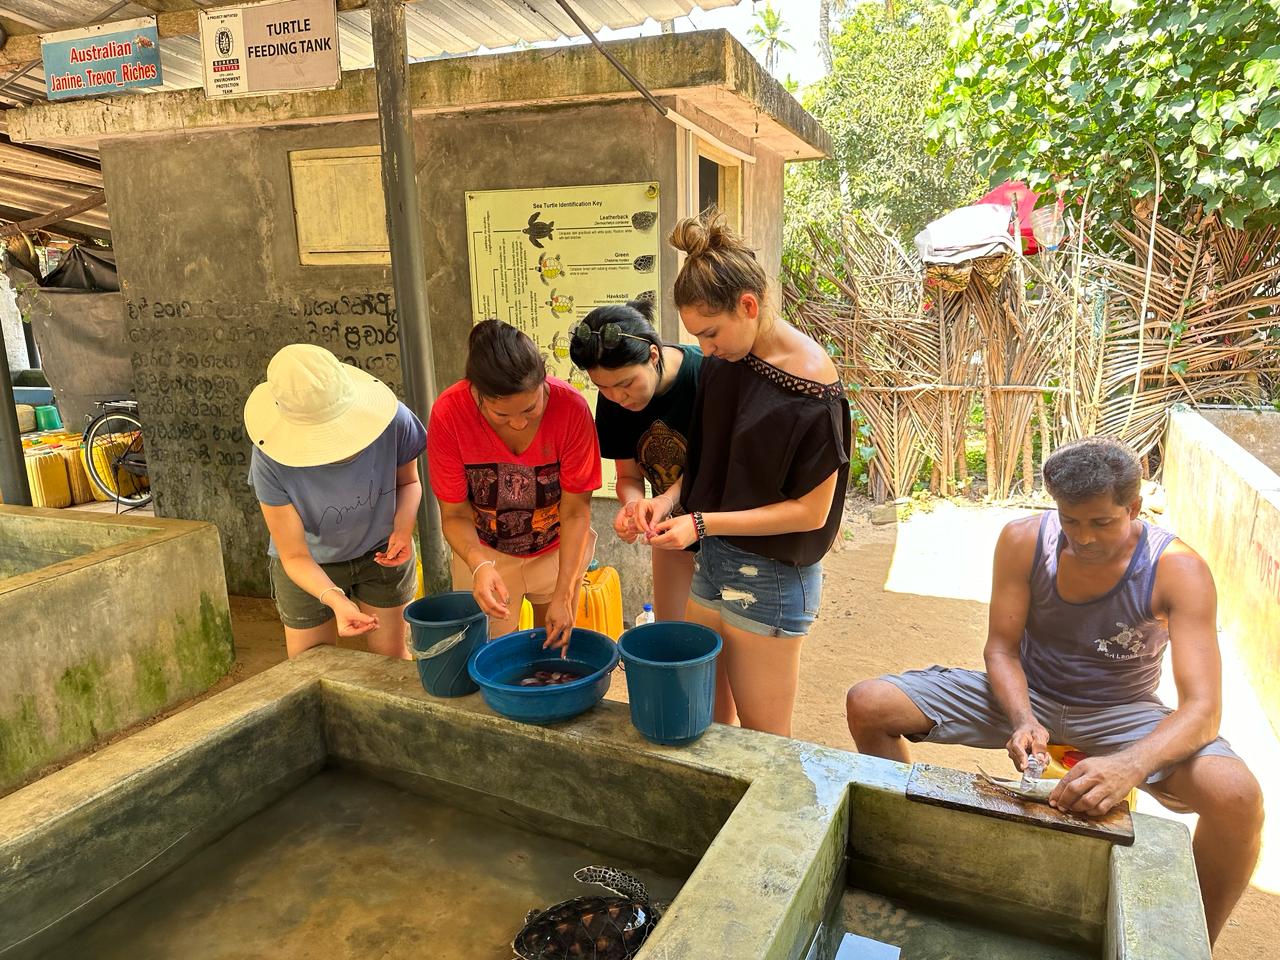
(964, 711)
(362, 579)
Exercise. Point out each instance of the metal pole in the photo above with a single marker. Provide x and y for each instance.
(13, 470)
(408, 257)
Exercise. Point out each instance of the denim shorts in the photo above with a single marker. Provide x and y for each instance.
(755, 593)
(964, 710)
(362, 579)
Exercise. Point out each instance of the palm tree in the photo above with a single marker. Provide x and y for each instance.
(767, 32)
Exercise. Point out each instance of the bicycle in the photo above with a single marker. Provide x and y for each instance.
(114, 457)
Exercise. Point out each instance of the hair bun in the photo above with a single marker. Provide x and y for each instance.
(692, 236)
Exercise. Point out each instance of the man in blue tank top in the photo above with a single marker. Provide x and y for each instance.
(1084, 601)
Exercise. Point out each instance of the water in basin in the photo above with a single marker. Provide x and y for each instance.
(349, 866)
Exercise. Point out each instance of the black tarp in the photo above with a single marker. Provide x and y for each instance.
(82, 268)
(80, 329)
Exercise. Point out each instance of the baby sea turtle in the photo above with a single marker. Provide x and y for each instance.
(591, 927)
(537, 230)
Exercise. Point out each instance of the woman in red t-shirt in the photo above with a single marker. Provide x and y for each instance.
(513, 460)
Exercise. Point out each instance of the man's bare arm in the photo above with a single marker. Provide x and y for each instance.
(1010, 602)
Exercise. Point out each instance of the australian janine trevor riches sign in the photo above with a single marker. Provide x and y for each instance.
(271, 47)
(107, 58)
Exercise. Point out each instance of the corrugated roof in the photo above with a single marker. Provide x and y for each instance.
(434, 28)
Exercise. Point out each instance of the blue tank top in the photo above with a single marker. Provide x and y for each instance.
(1104, 652)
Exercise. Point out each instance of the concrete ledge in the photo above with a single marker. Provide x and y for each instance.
(1060, 878)
(86, 838)
(768, 820)
(1225, 503)
(1154, 911)
(710, 68)
(133, 620)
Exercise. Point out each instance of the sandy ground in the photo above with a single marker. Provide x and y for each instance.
(908, 595)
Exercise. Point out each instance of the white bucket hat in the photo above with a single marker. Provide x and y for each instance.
(314, 409)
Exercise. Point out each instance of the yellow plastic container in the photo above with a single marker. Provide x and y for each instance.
(106, 450)
(81, 487)
(47, 477)
(600, 602)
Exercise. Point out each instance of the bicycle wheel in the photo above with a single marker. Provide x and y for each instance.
(116, 460)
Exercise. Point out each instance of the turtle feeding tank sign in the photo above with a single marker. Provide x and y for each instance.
(542, 259)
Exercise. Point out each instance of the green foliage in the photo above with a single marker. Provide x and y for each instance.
(863, 450)
(874, 105)
(766, 33)
(1082, 93)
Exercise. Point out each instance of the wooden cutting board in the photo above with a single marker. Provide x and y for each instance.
(957, 790)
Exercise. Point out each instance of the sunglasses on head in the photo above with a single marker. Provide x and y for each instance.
(610, 334)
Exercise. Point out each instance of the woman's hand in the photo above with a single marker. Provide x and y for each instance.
(624, 523)
(650, 513)
(352, 621)
(674, 534)
(560, 617)
(490, 592)
(399, 549)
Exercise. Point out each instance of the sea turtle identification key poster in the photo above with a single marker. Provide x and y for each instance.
(543, 258)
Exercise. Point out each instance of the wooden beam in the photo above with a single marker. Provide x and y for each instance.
(95, 199)
(84, 233)
(20, 50)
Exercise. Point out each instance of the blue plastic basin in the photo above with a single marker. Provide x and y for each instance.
(444, 629)
(671, 679)
(499, 666)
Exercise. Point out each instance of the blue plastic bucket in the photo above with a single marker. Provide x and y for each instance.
(671, 679)
(445, 628)
(500, 665)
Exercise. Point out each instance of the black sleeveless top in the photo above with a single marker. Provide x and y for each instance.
(760, 436)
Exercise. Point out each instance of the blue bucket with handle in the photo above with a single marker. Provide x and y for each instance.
(445, 629)
(671, 679)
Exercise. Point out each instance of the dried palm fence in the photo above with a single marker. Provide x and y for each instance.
(1192, 319)
(1072, 344)
(870, 319)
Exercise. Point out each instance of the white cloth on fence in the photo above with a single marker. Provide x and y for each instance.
(967, 233)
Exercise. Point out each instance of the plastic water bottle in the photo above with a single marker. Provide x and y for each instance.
(646, 615)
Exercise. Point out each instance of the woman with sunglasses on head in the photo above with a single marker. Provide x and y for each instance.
(514, 460)
(765, 483)
(643, 414)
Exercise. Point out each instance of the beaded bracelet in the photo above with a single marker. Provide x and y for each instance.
(699, 525)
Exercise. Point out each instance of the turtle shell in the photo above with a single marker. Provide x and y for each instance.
(586, 928)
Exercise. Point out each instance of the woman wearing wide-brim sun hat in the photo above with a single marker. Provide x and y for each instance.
(334, 469)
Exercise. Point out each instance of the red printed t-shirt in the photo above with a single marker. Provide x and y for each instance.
(515, 499)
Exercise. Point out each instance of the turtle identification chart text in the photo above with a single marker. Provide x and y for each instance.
(543, 258)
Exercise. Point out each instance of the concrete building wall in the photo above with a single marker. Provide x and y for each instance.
(207, 249)
(204, 232)
(15, 346)
(1225, 503)
(129, 617)
(762, 223)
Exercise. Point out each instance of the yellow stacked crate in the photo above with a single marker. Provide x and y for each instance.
(104, 453)
(47, 477)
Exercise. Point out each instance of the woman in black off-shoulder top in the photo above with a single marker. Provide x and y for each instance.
(764, 487)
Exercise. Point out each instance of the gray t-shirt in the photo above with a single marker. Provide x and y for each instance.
(347, 509)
